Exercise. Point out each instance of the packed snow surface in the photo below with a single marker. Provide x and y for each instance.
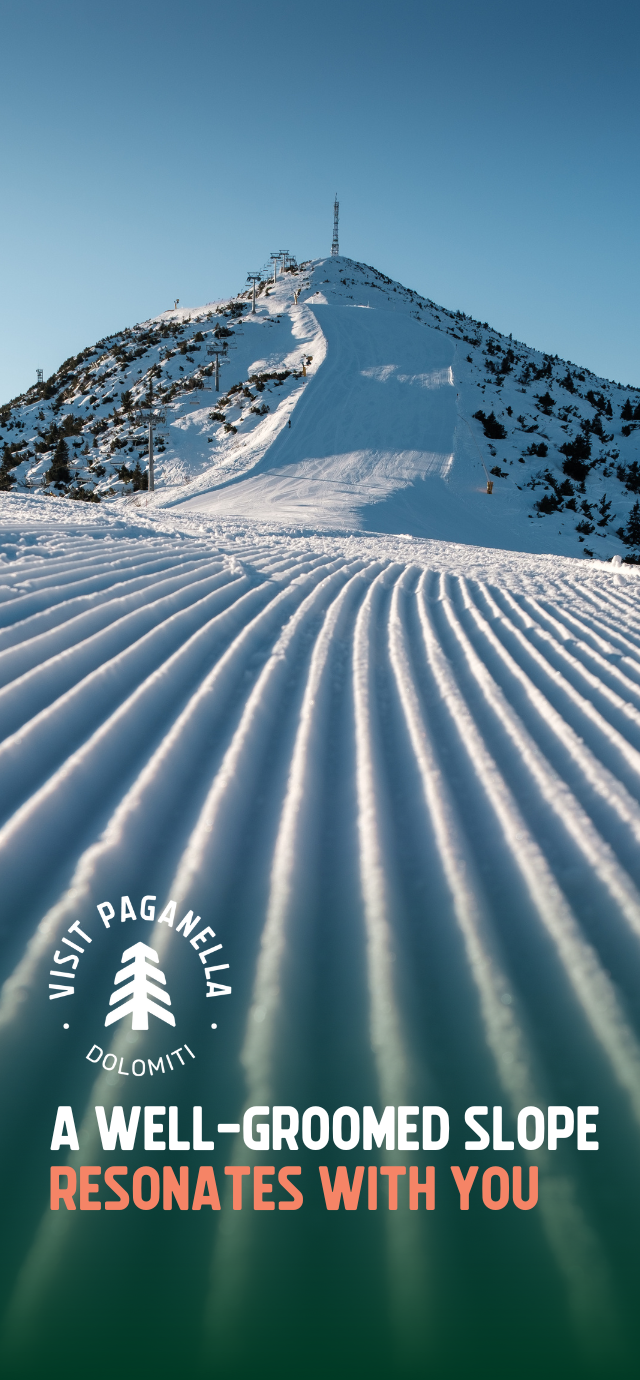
(385, 726)
(423, 755)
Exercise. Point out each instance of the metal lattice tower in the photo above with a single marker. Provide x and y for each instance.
(335, 247)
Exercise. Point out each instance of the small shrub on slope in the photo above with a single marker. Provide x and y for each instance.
(491, 426)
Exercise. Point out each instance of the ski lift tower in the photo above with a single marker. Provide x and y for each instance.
(275, 258)
(335, 247)
(254, 278)
(150, 419)
(215, 351)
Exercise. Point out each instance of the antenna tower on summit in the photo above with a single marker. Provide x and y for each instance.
(335, 248)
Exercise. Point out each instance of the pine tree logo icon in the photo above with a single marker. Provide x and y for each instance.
(142, 992)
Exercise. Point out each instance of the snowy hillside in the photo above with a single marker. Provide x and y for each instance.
(346, 402)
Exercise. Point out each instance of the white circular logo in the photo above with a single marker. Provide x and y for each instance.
(149, 975)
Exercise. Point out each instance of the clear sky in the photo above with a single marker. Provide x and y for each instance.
(485, 153)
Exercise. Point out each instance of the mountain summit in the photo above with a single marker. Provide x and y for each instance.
(345, 402)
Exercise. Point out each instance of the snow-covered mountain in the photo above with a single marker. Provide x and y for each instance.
(346, 402)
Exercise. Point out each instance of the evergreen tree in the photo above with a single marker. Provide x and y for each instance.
(629, 475)
(508, 362)
(549, 503)
(627, 412)
(491, 426)
(578, 452)
(594, 426)
(631, 533)
(138, 478)
(141, 476)
(59, 471)
(7, 479)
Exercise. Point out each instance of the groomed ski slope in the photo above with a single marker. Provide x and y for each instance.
(356, 421)
(404, 775)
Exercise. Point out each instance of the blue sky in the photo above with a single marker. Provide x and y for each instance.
(484, 153)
